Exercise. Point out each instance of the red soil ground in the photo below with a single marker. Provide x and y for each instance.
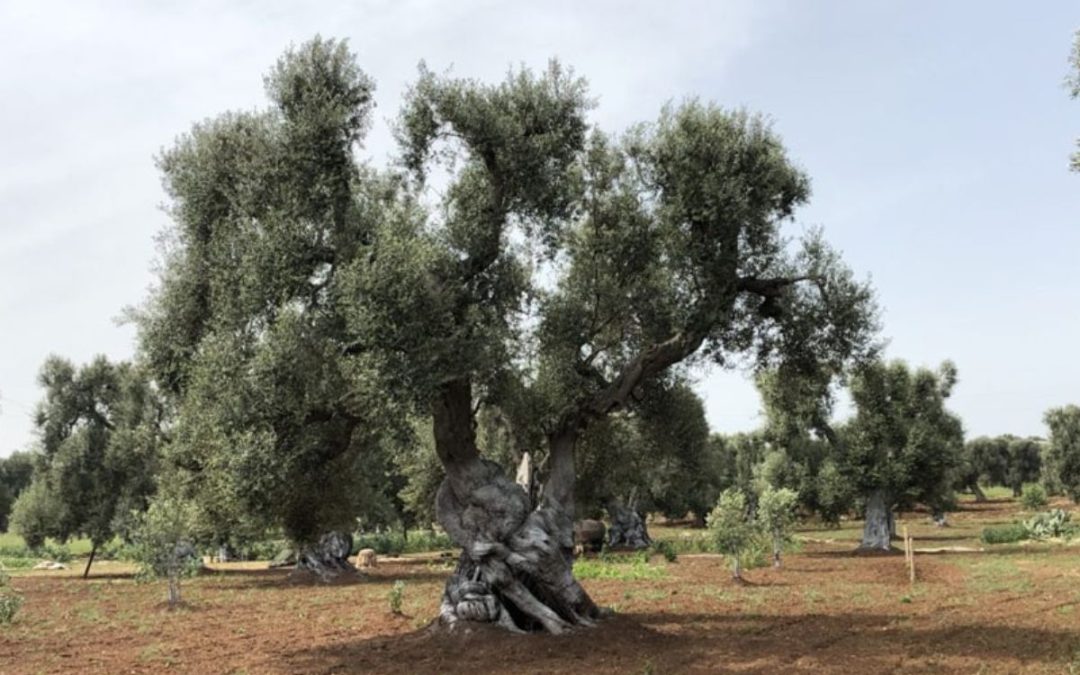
(1003, 610)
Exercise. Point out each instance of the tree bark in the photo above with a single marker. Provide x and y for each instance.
(980, 496)
(328, 558)
(880, 525)
(174, 588)
(628, 528)
(516, 566)
(90, 560)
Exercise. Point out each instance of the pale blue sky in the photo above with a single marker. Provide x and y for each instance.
(937, 135)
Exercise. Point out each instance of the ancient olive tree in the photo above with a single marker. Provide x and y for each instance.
(16, 471)
(99, 427)
(1024, 463)
(662, 249)
(982, 460)
(310, 302)
(903, 445)
(1063, 449)
(278, 419)
(1001, 460)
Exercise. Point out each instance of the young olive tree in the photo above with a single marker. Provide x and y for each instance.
(163, 543)
(776, 517)
(734, 532)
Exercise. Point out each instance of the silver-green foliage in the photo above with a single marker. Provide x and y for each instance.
(1061, 459)
(1033, 497)
(162, 542)
(903, 441)
(776, 516)
(734, 533)
(396, 596)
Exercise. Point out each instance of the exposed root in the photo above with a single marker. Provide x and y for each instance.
(515, 570)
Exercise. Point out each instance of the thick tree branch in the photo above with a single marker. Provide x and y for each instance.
(773, 287)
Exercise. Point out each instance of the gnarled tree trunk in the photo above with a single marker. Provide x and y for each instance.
(980, 496)
(327, 559)
(516, 567)
(627, 526)
(880, 525)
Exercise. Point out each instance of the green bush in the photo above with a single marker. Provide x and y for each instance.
(265, 549)
(665, 549)
(15, 551)
(1033, 497)
(1005, 534)
(57, 552)
(396, 595)
(394, 543)
(10, 601)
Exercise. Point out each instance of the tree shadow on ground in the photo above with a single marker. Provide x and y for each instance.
(678, 642)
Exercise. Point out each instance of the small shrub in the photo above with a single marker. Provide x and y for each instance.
(1004, 534)
(9, 606)
(630, 568)
(57, 552)
(395, 543)
(396, 595)
(10, 601)
(666, 549)
(1033, 497)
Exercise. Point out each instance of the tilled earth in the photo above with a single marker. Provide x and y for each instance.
(1001, 610)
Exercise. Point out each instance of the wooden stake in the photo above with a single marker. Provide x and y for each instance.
(909, 554)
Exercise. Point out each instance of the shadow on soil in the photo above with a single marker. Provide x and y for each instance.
(695, 641)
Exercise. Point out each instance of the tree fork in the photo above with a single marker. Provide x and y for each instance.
(516, 566)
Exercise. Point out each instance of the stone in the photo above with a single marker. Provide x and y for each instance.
(366, 558)
(589, 534)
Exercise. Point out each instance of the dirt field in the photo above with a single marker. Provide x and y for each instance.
(1003, 610)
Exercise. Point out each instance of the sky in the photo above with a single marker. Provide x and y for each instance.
(937, 136)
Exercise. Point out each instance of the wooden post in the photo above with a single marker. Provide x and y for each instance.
(909, 554)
